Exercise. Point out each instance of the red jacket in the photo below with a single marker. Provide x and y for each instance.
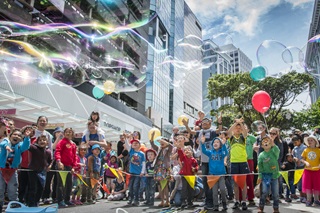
(66, 152)
(187, 164)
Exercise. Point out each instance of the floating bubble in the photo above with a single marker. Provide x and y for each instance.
(294, 57)
(222, 39)
(242, 86)
(315, 38)
(258, 73)
(258, 126)
(269, 55)
(5, 32)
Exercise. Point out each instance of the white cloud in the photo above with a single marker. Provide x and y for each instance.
(242, 16)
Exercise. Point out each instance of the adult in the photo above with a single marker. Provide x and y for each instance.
(122, 153)
(209, 134)
(42, 123)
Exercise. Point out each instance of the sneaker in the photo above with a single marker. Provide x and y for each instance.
(46, 201)
(78, 202)
(208, 207)
(202, 204)
(129, 202)
(146, 203)
(303, 199)
(135, 203)
(251, 203)
(308, 203)
(317, 203)
(62, 204)
(190, 205)
(69, 203)
(236, 205)
(244, 206)
(224, 206)
(294, 197)
(288, 200)
(88, 203)
(216, 208)
(281, 196)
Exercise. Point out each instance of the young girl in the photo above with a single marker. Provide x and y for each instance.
(80, 170)
(118, 189)
(108, 175)
(311, 174)
(66, 158)
(41, 160)
(94, 116)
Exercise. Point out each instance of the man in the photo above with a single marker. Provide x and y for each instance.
(122, 153)
(209, 134)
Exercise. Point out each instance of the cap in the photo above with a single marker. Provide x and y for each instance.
(57, 129)
(151, 150)
(134, 140)
(95, 146)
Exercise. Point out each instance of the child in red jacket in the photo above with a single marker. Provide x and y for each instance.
(189, 168)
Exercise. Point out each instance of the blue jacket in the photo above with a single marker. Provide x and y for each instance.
(18, 149)
(216, 159)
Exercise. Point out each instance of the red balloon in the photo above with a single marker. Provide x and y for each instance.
(261, 101)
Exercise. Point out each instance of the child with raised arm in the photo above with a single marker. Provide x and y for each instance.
(217, 164)
(269, 173)
(311, 174)
(150, 182)
(137, 167)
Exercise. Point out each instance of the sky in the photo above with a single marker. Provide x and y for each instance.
(251, 22)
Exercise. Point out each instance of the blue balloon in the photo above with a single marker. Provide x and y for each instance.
(156, 140)
(258, 73)
(97, 92)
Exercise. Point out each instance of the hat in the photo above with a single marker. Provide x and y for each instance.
(297, 131)
(151, 150)
(134, 140)
(95, 146)
(216, 138)
(57, 129)
(314, 138)
(206, 119)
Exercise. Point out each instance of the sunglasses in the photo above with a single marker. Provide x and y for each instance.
(273, 133)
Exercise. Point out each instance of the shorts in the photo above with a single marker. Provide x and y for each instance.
(239, 168)
(310, 181)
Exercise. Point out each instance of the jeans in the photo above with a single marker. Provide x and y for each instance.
(150, 189)
(64, 192)
(291, 189)
(142, 186)
(274, 184)
(177, 198)
(220, 185)
(23, 185)
(12, 187)
(207, 190)
(188, 192)
(35, 189)
(250, 179)
(134, 188)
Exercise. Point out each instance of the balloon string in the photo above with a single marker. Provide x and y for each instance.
(264, 117)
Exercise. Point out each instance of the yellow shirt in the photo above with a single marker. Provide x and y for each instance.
(238, 153)
(312, 156)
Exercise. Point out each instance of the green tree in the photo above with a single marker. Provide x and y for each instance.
(240, 87)
(308, 118)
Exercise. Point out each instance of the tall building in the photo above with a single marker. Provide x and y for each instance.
(192, 87)
(221, 64)
(240, 61)
(312, 58)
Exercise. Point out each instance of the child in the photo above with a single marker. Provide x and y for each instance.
(217, 167)
(238, 159)
(137, 167)
(289, 165)
(80, 170)
(311, 174)
(175, 195)
(93, 172)
(189, 167)
(118, 189)
(297, 151)
(108, 175)
(10, 158)
(269, 173)
(66, 158)
(150, 182)
(94, 116)
(162, 166)
(41, 160)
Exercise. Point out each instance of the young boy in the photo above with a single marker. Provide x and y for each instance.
(93, 172)
(137, 167)
(290, 165)
(217, 163)
(150, 183)
(10, 158)
(238, 159)
(269, 173)
(189, 167)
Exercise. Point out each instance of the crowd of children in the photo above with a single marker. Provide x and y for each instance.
(44, 166)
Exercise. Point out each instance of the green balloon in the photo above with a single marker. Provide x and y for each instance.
(97, 92)
(258, 73)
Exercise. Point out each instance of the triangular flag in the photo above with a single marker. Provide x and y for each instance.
(297, 175)
(63, 175)
(120, 174)
(127, 179)
(191, 179)
(105, 188)
(114, 172)
(7, 174)
(80, 178)
(211, 180)
(93, 182)
(163, 183)
(240, 180)
(285, 177)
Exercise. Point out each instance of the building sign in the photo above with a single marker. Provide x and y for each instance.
(54, 125)
(112, 126)
(8, 111)
(59, 4)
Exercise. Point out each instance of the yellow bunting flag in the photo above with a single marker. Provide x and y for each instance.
(93, 182)
(240, 180)
(191, 179)
(63, 175)
(120, 174)
(80, 178)
(114, 172)
(211, 180)
(285, 177)
(297, 175)
(163, 183)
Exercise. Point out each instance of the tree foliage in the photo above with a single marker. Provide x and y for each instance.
(308, 118)
(240, 87)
